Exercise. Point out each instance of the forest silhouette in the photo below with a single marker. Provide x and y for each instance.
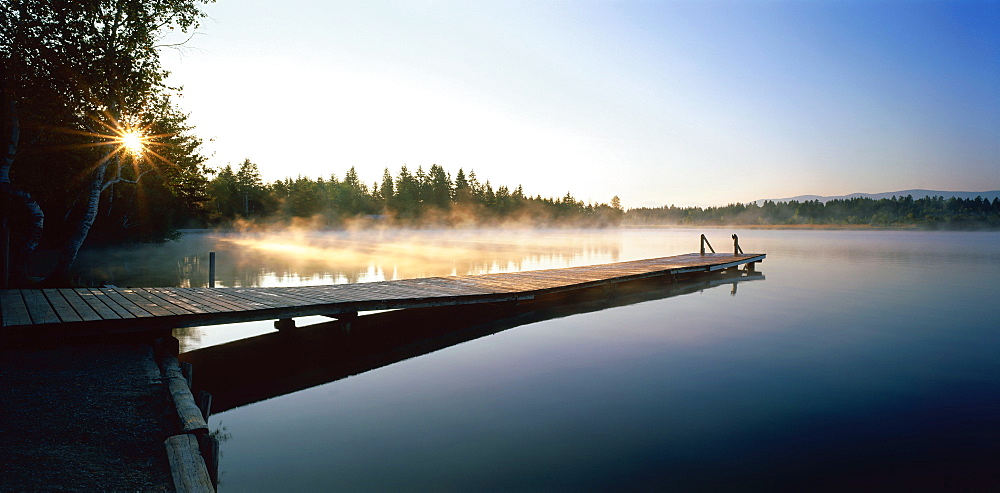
(433, 198)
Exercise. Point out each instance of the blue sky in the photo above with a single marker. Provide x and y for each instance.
(659, 102)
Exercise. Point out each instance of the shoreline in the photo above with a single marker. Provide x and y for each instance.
(88, 416)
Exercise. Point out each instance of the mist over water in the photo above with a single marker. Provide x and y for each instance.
(303, 257)
(863, 359)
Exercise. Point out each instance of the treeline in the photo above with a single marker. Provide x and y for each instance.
(436, 198)
(420, 198)
(928, 213)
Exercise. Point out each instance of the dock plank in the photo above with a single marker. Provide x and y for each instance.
(258, 299)
(163, 303)
(111, 304)
(12, 308)
(95, 303)
(138, 300)
(125, 303)
(79, 305)
(204, 295)
(180, 300)
(39, 309)
(62, 307)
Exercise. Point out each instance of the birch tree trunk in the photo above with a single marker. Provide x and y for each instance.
(22, 218)
(60, 274)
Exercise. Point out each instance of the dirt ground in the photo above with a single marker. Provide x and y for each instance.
(86, 417)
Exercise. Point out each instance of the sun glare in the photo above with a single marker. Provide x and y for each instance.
(133, 142)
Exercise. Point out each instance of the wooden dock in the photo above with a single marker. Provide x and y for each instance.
(323, 352)
(77, 311)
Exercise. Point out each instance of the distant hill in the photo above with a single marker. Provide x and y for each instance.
(917, 194)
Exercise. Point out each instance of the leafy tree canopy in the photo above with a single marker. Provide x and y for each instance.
(80, 79)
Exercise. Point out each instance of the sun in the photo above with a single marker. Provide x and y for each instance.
(133, 142)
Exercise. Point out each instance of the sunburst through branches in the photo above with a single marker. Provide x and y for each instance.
(124, 138)
(130, 138)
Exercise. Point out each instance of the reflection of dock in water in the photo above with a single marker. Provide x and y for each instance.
(50, 313)
(270, 365)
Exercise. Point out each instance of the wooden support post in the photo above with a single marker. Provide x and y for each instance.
(348, 320)
(205, 404)
(751, 267)
(209, 447)
(736, 245)
(187, 371)
(284, 323)
(211, 269)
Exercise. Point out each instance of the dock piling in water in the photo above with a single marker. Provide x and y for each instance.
(211, 269)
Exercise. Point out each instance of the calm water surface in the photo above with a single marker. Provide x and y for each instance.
(863, 359)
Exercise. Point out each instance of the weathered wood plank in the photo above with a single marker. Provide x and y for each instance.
(445, 286)
(226, 296)
(107, 302)
(187, 411)
(125, 303)
(98, 306)
(137, 300)
(38, 307)
(204, 295)
(187, 465)
(12, 308)
(259, 300)
(62, 308)
(79, 305)
(290, 295)
(429, 290)
(179, 300)
(166, 304)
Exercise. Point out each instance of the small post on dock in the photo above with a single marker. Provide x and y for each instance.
(736, 245)
(211, 269)
(704, 241)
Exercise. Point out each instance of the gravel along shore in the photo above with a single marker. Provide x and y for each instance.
(85, 417)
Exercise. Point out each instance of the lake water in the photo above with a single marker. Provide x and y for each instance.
(861, 359)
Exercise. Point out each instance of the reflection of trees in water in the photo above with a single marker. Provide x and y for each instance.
(193, 271)
(330, 259)
(296, 258)
(176, 263)
(252, 260)
(128, 267)
(188, 337)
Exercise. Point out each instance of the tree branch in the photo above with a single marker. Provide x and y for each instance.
(120, 179)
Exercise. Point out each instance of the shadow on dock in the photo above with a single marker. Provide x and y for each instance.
(270, 365)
